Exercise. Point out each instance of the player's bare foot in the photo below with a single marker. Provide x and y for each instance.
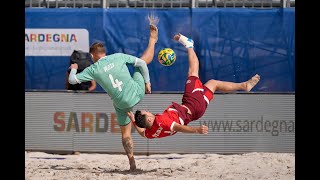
(153, 21)
(132, 165)
(187, 42)
(252, 82)
(153, 33)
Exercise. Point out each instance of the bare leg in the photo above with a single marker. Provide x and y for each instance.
(128, 144)
(193, 63)
(192, 58)
(227, 87)
(213, 85)
(148, 54)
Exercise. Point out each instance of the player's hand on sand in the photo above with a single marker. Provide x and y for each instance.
(148, 88)
(131, 116)
(203, 129)
(74, 66)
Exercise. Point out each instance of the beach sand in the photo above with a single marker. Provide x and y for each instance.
(89, 166)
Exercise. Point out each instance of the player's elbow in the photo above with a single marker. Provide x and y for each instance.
(140, 63)
(72, 79)
(142, 134)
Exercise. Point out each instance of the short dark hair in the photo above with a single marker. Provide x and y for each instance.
(140, 119)
(97, 47)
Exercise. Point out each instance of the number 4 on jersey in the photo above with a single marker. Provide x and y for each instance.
(116, 83)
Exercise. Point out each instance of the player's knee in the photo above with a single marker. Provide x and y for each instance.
(212, 81)
(126, 132)
(212, 84)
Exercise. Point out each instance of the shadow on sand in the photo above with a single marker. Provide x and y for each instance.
(99, 170)
(126, 172)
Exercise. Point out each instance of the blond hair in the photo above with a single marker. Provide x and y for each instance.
(97, 47)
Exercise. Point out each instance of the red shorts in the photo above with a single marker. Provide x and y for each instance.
(196, 97)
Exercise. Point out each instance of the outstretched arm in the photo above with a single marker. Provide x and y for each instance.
(83, 76)
(188, 129)
(140, 130)
(72, 76)
(144, 72)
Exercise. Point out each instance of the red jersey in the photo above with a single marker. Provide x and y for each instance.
(196, 97)
(163, 124)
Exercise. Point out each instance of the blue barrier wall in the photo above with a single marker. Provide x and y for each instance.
(232, 44)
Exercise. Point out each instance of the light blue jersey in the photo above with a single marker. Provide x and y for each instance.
(112, 74)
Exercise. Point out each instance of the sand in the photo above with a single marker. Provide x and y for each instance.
(89, 166)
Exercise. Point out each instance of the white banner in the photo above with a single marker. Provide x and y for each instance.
(55, 42)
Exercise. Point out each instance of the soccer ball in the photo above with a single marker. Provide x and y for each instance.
(166, 57)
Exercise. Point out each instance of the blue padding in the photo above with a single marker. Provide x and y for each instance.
(232, 44)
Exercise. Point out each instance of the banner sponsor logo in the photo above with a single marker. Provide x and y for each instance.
(86, 122)
(55, 42)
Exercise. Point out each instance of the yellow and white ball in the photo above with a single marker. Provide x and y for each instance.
(166, 56)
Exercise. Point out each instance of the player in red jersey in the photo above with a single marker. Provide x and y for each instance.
(195, 100)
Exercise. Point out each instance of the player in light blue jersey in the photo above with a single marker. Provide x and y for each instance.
(112, 74)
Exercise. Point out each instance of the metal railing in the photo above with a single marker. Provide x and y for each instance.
(158, 3)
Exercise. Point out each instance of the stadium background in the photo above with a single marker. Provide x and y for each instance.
(232, 43)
